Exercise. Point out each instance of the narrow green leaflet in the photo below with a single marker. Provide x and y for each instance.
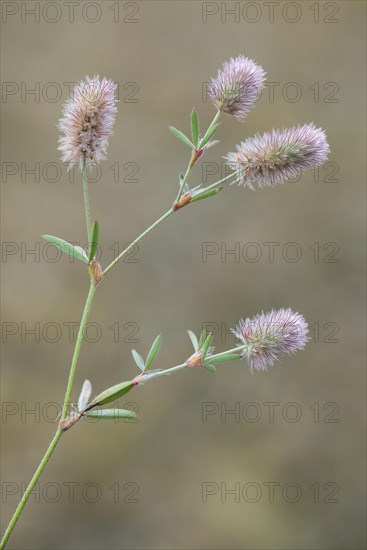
(195, 128)
(202, 338)
(209, 134)
(81, 252)
(193, 339)
(111, 414)
(186, 187)
(181, 136)
(207, 342)
(138, 359)
(95, 239)
(153, 351)
(84, 395)
(64, 246)
(224, 358)
(212, 143)
(112, 393)
(206, 194)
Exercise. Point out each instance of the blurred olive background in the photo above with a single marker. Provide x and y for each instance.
(147, 479)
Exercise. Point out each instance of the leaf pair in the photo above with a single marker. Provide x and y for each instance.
(153, 352)
(85, 408)
(77, 251)
(203, 345)
(107, 396)
(196, 142)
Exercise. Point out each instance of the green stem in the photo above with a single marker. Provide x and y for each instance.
(193, 159)
(78, 344)
(59, 432)
(30, 487)
(166, 372)
(153, 226)
(215, 119)
(213, 185)
(184, 180)
(137, 240)
(86, 198)
(168, 213)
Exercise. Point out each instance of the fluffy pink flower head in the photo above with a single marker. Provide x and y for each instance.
(278, 156)
(267, 336)
(237, 86)
(87, 120)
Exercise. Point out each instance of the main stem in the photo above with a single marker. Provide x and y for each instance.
(74, 362)
(69, 387)
(30, 487)
(78, 345)
(59, 432)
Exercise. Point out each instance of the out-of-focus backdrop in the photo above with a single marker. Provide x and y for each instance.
(273, 460)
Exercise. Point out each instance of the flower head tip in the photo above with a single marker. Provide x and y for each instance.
(267, 336)
(237, 86)
(278, 156)
(87, 120)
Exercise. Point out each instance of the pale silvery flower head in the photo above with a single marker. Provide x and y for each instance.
(237, 86)
(278, 156)
(87, 120)
(267, 336)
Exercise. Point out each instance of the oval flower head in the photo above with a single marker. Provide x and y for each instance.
(237, 86)
(278, 156)
(267, 336)
(87, 120)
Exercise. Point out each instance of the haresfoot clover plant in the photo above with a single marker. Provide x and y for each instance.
(86, 125)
